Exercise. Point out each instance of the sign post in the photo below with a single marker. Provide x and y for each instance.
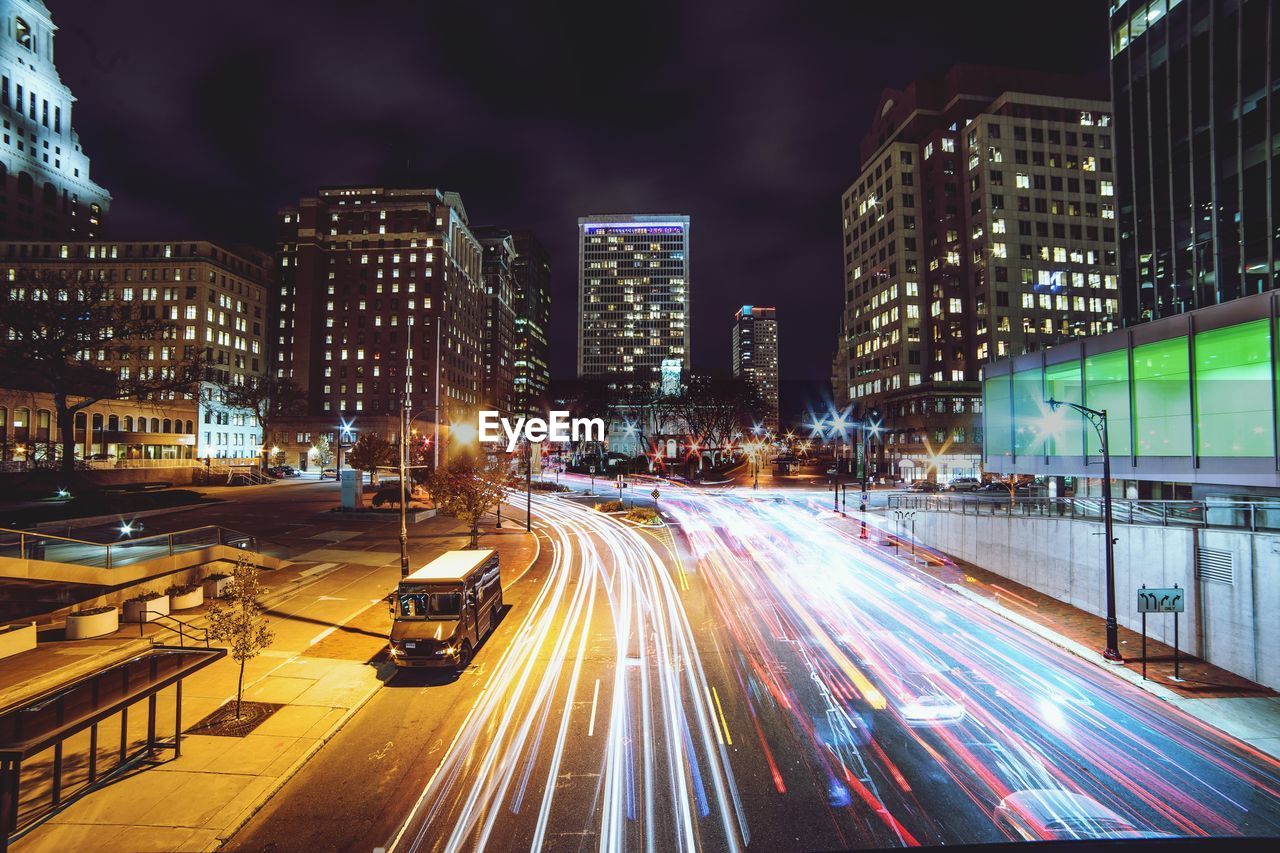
(1162, 600)
(655, 498)
(622, 484)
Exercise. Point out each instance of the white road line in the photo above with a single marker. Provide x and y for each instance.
(595, 698)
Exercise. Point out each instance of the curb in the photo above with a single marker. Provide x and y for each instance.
(270, 791)
(1078, 649)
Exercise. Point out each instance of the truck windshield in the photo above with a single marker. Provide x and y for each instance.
(427, 605)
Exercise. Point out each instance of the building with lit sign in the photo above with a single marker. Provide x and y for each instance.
(633, 294)
(982, 225)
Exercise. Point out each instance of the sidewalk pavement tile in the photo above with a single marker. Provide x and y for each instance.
(193, 799)
(254, 753)
(293, 721)
(343, 555)
(60, 838)
(278, 689)
(122, 802)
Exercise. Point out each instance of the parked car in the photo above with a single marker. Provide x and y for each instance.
(924, 486)
(832, 471)
(329, 474)
(993, 487)
(963, 484)
(1034, 487)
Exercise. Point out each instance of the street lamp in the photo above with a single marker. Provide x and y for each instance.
(1098, 418)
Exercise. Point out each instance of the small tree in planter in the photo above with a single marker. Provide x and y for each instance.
(240, 621)
(469, 487)
(370, 453)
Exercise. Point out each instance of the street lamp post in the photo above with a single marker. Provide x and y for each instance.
(1098, 418)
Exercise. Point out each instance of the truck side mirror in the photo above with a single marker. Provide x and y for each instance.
(391, 603)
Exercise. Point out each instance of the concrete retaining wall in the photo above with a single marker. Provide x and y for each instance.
(1235, 626)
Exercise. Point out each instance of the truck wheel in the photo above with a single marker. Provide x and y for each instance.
(464, 657)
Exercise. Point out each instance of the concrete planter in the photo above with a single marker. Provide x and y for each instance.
(134, 610)
(216, 587)
(187, 600)
(86, 626)
(17, 638)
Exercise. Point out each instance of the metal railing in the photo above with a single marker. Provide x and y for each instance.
(1239, 515)
(30, 545)
(197, 634)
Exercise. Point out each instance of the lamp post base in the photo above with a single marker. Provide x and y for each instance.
(1112, 655)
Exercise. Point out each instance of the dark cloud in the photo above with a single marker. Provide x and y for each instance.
(203, 117)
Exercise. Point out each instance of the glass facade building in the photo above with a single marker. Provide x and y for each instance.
(1189, 399)
(1195, 118)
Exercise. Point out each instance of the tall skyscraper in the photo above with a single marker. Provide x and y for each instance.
(45, 189)
(1198, 191)
(532, 272)
(367, 273)
(633, 294)
(982, 225)
(499, 317)
(755, 355)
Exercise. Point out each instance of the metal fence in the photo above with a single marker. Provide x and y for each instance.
(1239, 515)
(29, 545)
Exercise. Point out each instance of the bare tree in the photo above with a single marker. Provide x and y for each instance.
(59, 333)
(267, 397)
(240, 621)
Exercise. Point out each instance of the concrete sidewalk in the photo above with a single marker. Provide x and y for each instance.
(326, 661)
(1237, 706)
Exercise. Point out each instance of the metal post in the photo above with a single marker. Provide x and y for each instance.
(528, 486)
(1177, 655)
(1144, 642)
(404, 466)
(1111, 652)
(177, 721)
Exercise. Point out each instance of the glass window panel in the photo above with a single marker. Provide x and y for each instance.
(1062, 382)
(1106, 377)
(1234, 411)
(997, 437)
(1162, 397)
(1029, 412)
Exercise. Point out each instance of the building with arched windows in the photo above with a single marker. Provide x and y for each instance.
(45, 189)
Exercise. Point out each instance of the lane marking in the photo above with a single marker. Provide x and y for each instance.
(723, 721)
(595, 698)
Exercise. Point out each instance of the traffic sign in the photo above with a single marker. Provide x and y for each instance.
(1161, 600)
(655, 494)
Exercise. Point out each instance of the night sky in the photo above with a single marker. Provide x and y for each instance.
(202, 118)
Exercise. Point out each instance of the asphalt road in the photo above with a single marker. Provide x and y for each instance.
(752, 678)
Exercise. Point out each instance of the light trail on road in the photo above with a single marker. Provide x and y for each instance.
(894, 711)
(596, 727)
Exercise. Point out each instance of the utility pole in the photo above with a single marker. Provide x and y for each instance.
(528, 487)
(404, 465)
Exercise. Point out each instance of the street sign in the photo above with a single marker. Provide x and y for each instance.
(1161, 600)
(655, 494)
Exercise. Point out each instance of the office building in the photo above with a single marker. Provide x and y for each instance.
(755, 355)
(45, 189)
(497, 271)
(217, 301)
(633, 294)
(377, 285)
(1195, 114)
(532, 272)
(982, 224)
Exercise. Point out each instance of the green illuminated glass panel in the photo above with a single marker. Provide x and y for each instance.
(1029, 412)
(1162, 397)
(1106, 380)
(1234, 410)
(1065, 436)
(997, 438)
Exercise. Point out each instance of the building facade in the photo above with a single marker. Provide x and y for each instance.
(1193, 85)
(216, 300)
(497, 270)
(532, 270)
(1190, 402)
(755, 355)
(380, 289)
(45, 189)
(982, 225)
(633, 294)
